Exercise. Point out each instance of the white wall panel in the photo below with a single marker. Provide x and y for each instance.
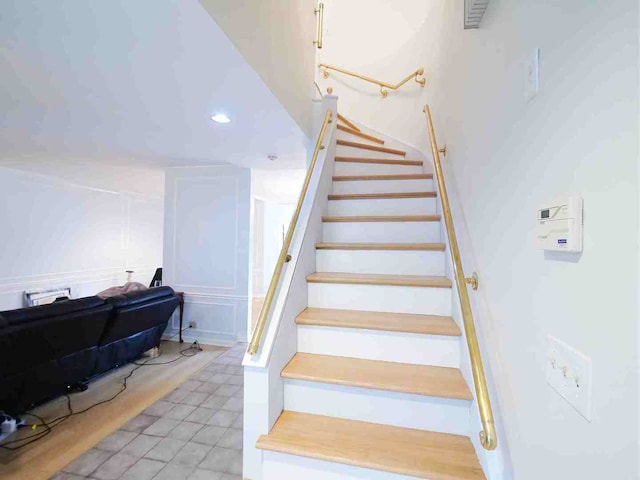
(206, 249)
(58, 234)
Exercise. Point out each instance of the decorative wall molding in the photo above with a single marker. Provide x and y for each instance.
(53, 181)
(19, 285)
(174, 267)
(473, 12)
(215, 295)
(206, 250)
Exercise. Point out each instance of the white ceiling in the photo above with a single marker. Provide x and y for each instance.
(132, 82)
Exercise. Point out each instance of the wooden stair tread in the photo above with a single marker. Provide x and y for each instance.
(377, 196)
(380, 279)
(348, 123)
(357, 133)
(440, 247)
(418, 453)
(360, 178)
(373, 148)
(383, 218)
(426, 380)
(383, 161)
(390, 322)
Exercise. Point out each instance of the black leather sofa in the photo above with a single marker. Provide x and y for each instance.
(45, 349)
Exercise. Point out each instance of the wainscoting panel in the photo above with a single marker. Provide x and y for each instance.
(206, 250)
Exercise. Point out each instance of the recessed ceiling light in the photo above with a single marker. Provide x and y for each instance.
(220, 118)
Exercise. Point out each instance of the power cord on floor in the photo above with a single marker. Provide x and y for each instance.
(194, 349)
(181, 330)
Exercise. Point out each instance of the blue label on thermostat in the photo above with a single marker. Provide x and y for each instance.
(562, 240)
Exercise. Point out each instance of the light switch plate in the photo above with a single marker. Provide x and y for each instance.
(532, 75)
(569, 374)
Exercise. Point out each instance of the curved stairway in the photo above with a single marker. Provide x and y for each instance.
(375, 390)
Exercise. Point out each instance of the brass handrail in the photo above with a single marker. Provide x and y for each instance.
(488, 436)
(383, 85)
(320, 24)
(256, 338)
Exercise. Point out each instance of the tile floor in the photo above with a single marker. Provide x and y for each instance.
(194, 433)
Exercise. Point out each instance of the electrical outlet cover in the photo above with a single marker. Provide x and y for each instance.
(569, 373)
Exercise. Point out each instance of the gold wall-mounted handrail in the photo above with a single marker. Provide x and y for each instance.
(256, 338)
(320, 13)
(384, 86)
(488, 436)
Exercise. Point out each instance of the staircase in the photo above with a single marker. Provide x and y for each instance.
(375, 389)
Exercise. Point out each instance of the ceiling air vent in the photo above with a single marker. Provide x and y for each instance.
(473, 12)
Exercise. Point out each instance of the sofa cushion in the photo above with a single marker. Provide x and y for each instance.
(3, 321)
(139, 296)
(29, 314)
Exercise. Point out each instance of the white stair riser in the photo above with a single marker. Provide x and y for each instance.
(402, 347)
(435, 414)
(384, 232)
(281, 466)
(381, 298)
(400, 262)
(388, 142)
(344, 151)
(349, 168)
(383, 186)
(386, 206)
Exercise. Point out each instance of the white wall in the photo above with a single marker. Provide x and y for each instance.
(257, 243)
(506, 156)
(59, 234)
(277, 218)
(276, 39)
(275, 185)
(206, 249)
(113, 174)
(271, 190)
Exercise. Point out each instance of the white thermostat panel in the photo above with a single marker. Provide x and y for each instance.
(560, 225)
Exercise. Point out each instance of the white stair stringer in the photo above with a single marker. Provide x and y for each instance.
(406, 410)
(400, 347)
(381, 298)
(380, 232)
(393, 262)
